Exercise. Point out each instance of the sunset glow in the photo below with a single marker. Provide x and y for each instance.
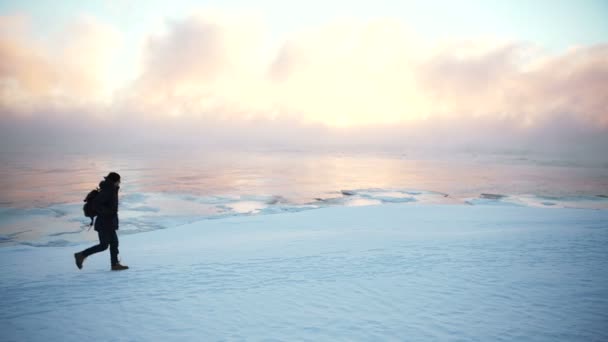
(114, 61)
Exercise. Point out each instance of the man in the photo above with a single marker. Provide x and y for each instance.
(106, 224)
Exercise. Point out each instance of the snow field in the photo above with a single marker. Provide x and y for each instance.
(386, 272)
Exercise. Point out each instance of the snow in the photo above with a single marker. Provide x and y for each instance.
(485, 270)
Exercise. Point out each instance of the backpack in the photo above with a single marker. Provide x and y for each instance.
(88, 208)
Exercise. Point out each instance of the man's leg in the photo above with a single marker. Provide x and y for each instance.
(113, 241)
(102, 246)
(104, 241)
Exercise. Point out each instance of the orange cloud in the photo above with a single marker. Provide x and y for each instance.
(352, 73)
(219, 66)
(62, 72)
(204, 63)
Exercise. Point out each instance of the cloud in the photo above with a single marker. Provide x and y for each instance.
(574, 83)
(202, 64)
(219, 76)
(62, 72)
(353, 73)
(514, 81)
(348, 73)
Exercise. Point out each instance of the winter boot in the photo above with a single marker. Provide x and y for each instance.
(79, 259)
(119, 267)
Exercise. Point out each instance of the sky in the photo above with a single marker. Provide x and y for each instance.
(494, 75)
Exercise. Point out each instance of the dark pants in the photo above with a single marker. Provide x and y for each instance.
(106, 238)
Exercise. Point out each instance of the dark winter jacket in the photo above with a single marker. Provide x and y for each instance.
(106, 206)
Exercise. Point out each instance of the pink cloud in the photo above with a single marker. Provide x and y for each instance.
(63, 71)
(370, 82)
(507, 82)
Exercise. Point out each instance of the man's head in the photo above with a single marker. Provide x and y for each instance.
(113, 177)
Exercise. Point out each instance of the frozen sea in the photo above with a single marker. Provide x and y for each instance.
(293, 245)
(41, 201)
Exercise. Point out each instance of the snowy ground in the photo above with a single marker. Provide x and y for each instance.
(402, 271)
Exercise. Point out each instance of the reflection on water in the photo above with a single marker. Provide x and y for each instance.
(41, 200)
(39, 180)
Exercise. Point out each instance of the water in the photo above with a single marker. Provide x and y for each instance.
(42, 193)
